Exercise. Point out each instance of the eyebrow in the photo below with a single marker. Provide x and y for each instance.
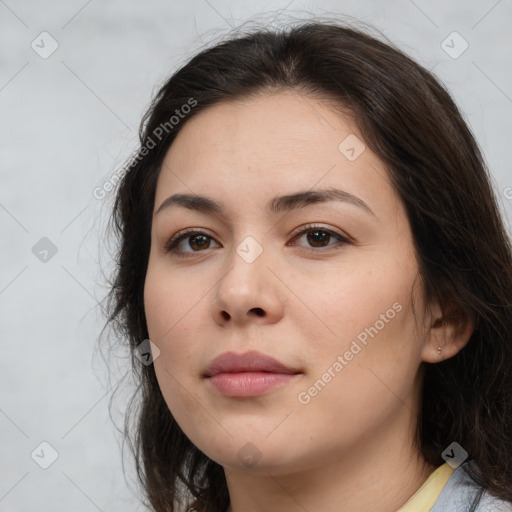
(275, 206)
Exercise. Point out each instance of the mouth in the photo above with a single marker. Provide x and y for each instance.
(247, 375)
(248, 384)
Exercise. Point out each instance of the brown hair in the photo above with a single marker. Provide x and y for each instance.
(408, 119)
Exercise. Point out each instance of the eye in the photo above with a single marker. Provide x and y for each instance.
(318, 237)
(196, 240)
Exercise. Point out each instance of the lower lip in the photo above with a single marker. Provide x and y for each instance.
(248, 384)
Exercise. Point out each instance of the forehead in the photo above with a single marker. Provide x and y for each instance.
(264, 128)
(253, 149)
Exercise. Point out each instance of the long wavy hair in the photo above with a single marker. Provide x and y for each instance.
(409, 120)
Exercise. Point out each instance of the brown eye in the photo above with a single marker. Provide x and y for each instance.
(197, 241)
(319, 238)
(191, 242)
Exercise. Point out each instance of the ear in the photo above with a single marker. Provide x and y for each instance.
(450, 330)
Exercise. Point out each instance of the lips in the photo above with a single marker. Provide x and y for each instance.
(252, 361)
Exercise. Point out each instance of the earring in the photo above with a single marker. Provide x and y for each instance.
(439, 349)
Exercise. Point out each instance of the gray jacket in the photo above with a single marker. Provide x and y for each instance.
(460, 491)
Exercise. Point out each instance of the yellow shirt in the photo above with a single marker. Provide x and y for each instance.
(425, 497)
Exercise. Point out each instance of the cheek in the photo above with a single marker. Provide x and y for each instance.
(372, 327)
(373, 380)
(168, 302)
(187, 406)
(365, 299)
(168, 310)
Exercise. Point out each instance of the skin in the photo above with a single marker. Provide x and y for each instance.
(353, 446)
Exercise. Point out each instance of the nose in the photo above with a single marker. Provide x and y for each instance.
(249, 290)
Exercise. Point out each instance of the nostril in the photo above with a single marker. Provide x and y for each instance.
(258, 311)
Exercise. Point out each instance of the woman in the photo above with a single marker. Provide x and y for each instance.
(309, 238)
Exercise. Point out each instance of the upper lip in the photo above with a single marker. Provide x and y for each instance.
(252, 361)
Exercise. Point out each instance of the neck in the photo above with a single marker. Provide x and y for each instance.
(380, 472)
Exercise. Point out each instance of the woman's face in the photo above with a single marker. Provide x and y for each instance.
(331, 301)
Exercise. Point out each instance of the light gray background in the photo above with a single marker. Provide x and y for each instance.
(67, 124)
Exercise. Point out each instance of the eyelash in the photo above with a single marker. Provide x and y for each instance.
(170, 246)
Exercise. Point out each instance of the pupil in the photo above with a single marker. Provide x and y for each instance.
(318, 236)
(193, 240)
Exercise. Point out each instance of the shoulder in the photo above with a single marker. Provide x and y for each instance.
(490, 504)
(461, 490)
